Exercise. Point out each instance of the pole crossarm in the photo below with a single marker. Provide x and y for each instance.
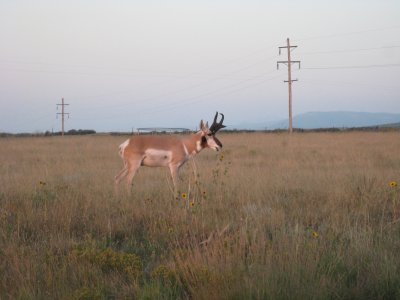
(286, 47)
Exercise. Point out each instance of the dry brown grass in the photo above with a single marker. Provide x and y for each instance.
(277, 216)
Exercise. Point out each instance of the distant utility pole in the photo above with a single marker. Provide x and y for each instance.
(62, 113)
(289, 63)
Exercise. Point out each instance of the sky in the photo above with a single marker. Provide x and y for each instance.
(122, 65)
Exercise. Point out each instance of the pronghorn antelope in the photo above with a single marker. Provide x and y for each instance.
(166, 151)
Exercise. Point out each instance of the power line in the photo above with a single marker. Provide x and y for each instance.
(348, 50)
(191, 87)
(195, 99)
(353, 67)
(349, 83)
(347, 33)
(114, 70)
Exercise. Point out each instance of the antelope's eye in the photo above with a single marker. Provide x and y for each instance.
(209, 134)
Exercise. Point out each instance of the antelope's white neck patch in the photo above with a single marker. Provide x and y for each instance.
(185, 149)
(198, 146)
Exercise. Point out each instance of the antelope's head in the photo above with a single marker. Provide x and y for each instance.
(208, 139)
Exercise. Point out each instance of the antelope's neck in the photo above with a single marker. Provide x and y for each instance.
(193, 144)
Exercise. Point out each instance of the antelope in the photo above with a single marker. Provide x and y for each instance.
(166, 151)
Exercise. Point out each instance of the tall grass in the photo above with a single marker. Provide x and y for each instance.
(271, 217)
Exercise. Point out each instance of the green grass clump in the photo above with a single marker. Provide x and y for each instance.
(108, 260)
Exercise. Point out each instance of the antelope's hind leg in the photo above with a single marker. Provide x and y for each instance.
(121, 174)
(132, 166)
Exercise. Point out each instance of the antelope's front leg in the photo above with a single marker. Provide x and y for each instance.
(174, 169)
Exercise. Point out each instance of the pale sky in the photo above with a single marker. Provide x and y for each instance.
(127, 64)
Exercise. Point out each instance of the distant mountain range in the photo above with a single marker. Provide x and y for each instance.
(335, 119)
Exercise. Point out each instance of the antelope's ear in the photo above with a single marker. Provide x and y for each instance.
(201, 125)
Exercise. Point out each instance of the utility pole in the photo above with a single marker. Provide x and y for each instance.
(62, 113)
(289, 63)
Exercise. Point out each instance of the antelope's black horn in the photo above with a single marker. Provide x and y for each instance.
(217, 126)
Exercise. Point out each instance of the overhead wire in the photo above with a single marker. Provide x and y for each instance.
(347, 50)
(352, 67)
(197, 98)
(33, 121)
(328, 36)
(191, 87)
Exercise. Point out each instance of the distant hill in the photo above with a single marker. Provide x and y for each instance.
(392, 125)
(339, 119)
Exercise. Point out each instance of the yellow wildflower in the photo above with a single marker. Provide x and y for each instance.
(393, 184)
(314, 234)
(184, 195)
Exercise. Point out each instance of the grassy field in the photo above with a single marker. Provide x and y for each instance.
(308, 216)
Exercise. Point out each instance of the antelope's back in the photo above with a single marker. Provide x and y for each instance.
(142, 143)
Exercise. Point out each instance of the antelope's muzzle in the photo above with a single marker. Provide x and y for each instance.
(218, 142)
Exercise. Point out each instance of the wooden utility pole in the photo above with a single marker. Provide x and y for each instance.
(289, 63)
(62, 113)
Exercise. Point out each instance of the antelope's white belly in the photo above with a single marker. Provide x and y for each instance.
(157, 158)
